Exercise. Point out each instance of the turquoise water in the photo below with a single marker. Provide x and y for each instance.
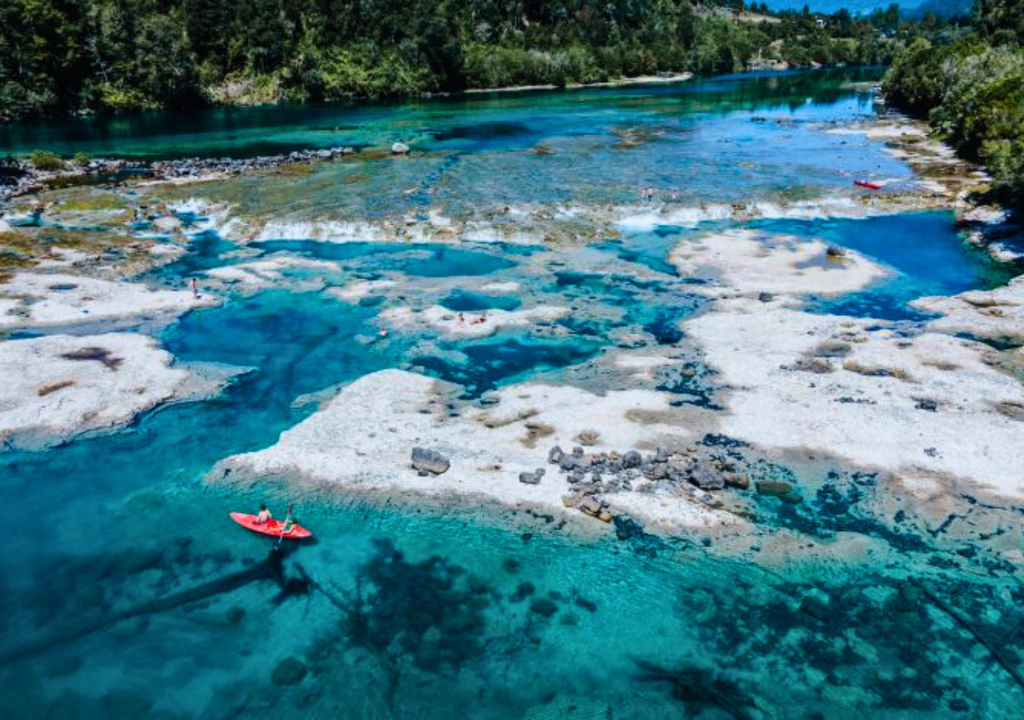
(420, 260)
(466, 123)
(924, 252)
(129, 593)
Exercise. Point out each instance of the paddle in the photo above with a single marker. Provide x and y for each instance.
(284, 525)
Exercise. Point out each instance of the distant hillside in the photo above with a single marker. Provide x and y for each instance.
(911, 8)
(943, 8)
(59, 57)
(831, 6)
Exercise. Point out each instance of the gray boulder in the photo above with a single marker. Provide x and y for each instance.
(531, 478)
(656, 472)
(555, 455)
(632, 459)
(590, 505)
(706, 477)
(427, 461)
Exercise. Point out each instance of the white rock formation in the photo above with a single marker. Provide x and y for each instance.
(991, 314)
(748, 261)
(59, 386)
(509, 286)
(472, 324)
(272, 271)
(357, 290)
(41, 300)
(360, 442)
(924, 406)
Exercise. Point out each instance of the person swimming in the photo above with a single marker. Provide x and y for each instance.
(264, 515)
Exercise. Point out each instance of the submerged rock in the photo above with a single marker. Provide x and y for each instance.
(816, 604)
(429, 461)
(523, 591)
(288, 672)
(627, 527)
(544, 607)
(773, 488)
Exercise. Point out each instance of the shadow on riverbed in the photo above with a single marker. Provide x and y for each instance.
(270, 568)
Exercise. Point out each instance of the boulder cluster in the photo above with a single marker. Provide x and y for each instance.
(192, 167)
(592, 475)
(20, 177)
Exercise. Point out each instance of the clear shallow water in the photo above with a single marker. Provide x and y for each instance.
(418, 260)
(129, 593)
(472, 123)
(923, 250)
(719, 140)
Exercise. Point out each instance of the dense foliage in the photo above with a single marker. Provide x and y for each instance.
(971, 88)
(61, 56)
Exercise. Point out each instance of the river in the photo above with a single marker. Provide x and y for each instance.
(128, 591)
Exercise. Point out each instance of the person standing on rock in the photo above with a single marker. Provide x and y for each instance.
(195, 287)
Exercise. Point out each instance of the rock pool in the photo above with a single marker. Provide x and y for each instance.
(823, 384)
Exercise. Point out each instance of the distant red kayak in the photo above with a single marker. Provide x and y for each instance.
(868, 185)
(271, 527)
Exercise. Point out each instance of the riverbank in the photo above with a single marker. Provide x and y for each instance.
(660, 79)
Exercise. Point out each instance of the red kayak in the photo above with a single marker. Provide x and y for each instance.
(271, 527)
(868, 185)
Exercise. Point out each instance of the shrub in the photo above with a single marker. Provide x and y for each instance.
(81, 159)
(973, 95)
(45, 160)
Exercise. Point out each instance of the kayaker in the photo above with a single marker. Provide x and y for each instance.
(264, 515)
(289, 525)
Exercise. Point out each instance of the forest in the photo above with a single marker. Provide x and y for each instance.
(60, 57)
(969, 84)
